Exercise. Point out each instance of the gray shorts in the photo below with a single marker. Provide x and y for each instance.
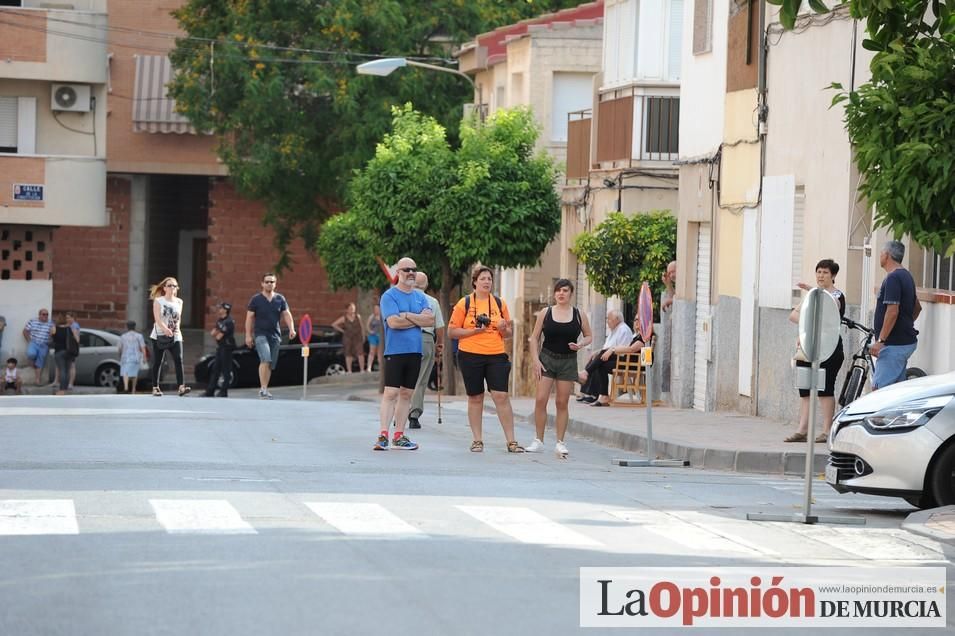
(268, 349)
(559, 366)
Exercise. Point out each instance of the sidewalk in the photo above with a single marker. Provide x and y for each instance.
(717, 441)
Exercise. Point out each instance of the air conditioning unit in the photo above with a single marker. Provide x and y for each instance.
(73, 98)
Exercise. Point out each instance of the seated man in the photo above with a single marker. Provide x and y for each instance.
(11, 377)
(598, 381)
(618, 335)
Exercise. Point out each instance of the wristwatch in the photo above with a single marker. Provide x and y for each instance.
(880, 341)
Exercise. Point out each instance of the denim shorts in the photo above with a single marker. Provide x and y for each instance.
(268, 349)
(373, 340)
(890, 365)
(37, 353)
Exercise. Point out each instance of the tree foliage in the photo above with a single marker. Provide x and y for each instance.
(275, 81)
(626, 250)
(490, 200)
(902, 121)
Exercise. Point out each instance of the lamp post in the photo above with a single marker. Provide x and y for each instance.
(387, 65)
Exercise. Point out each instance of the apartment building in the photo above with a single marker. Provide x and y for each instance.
(130, 191)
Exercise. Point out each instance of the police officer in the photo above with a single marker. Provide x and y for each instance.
(224, 333)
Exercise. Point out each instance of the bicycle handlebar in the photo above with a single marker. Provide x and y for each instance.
(851, 324)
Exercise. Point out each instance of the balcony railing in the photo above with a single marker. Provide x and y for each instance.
(578, 144)
(635, 126)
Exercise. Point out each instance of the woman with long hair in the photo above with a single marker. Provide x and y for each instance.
(480, 322)
(350, 326)
(166, 334)
(555, 361)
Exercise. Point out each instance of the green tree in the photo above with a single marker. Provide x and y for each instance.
(275, 81)
(902, 121)
(626, 250)
(491, 200)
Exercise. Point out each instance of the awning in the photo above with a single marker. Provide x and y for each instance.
(153, 110)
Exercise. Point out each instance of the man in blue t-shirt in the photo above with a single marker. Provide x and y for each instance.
(404, 311)
(895, 314)
(266, 311)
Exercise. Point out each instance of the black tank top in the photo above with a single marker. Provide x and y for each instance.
(557, 335)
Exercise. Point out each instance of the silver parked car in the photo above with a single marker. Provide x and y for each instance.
(898, 442)
(98, 362)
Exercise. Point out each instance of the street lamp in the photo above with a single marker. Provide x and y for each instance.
(386, 65)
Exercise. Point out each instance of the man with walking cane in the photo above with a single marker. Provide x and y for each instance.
(432, 342)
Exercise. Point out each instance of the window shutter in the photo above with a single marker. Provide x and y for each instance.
(702, 26)
(8, 122)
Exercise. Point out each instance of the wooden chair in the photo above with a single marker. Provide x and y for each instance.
(629, 376)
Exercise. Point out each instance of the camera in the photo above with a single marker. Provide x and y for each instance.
(482, 320)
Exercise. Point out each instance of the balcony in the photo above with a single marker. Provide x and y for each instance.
(637, 125)
(52, 190)
(54, 44)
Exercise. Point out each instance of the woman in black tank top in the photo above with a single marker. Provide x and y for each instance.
(555, 360)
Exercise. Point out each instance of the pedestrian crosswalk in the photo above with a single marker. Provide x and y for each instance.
(577, 525)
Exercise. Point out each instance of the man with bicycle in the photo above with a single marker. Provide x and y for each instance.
(895, 313)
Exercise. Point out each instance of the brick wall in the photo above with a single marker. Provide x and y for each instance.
(241, 250)
(23, 36)
(92, 265)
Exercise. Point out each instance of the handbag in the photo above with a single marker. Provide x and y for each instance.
(164, 342)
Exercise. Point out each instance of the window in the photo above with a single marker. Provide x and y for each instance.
(10, 3)
(661, 128)
(938, 272)
(571, 92)
(8, 124)
(702, 26)
(88, 339)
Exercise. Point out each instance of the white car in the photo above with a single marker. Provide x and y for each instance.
(898, 442)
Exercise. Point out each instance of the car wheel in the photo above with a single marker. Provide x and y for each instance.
(914, 372)
(335, 368)
(942, 478)
(107, 375)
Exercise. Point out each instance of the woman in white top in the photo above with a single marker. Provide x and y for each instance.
(166, 334)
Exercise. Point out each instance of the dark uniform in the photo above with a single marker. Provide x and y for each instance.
(222, 367)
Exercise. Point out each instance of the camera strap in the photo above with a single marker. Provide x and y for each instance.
(467, 305)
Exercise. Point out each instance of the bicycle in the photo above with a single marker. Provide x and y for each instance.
(862, 366)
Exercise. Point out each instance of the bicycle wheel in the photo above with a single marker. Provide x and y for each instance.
(853, 386)
(914, 372)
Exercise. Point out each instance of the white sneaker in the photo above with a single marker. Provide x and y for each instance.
(534, 447)
(561, 450)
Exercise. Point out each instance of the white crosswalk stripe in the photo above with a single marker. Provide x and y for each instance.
(364, 519)
(199, 516)
(37, 516)
(696, 532)
(527, 526)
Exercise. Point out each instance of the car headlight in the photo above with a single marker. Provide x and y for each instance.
(908, 415)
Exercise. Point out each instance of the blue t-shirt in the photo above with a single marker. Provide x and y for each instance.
(393, 302)
(267, 314)
(898, 288)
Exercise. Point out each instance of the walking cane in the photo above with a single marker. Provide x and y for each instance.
(440, 380)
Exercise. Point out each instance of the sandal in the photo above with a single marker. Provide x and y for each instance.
(514, 447)
(157, 392)
(822, 438)
(184, 389)
(477, 446)
(796, 437)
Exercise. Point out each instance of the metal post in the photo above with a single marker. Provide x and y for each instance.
(304, 377)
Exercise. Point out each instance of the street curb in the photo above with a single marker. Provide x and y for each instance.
(921, 523)
(740, 461)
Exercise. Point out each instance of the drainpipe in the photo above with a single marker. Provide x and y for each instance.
(762, 129)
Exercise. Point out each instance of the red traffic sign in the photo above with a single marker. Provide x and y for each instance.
(305, 330)
(645, 313)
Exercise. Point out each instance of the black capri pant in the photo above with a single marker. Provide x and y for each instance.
(176, 352)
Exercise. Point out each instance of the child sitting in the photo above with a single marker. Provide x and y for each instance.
(11, 377)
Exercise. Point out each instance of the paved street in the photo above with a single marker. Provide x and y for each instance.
(135, 515)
